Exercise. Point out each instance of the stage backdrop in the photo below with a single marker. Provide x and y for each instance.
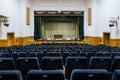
(69, 27)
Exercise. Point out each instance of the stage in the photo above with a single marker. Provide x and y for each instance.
(58, 42)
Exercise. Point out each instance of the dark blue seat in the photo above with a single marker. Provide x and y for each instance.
(45, 75)
(4, 54)
(10, 75)
(24, 64)
(103, 54)
(89, 74)
(52, 63)
(39, 55)
(66, 54)
(87, 54)
(100, 63)
(7, 64)
(15, 55)
(74, 63)
(116, 75)
(115, 63)
(53, 54)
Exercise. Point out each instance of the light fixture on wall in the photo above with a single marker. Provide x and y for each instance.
(4, 20)
(113, 21)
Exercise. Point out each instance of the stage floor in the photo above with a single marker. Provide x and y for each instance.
(57, 41)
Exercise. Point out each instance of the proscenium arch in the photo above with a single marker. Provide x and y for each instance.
(40, 18)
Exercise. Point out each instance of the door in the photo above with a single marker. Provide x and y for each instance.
(10, 38)
(106, 38)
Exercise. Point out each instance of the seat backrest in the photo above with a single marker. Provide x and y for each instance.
(100, 63)
(52, 63)
(115, 63)
(10, 75)
(7, 64)
(116, 75)
(75, 63)
(90, 74)
(24, 64)
(45, 75)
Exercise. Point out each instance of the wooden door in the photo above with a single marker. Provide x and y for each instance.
(10, 38)
(106, 38)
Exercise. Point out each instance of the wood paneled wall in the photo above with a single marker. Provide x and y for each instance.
(87, 39)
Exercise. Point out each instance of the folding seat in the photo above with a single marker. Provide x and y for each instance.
(7, 64)
(10, 75)
(45, 75)
(116, 75)
(74, 63)
(115, 63)
(52, 63)
(89, 74)
(100, 63)
(24, 64)
(66, 54)
(103, 54)
(115, 54)
(87, 54)
(4, 54)
(39, 55)
(15, 55)
(53, 54)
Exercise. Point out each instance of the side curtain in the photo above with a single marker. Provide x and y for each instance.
(37, 27)
(81, 27)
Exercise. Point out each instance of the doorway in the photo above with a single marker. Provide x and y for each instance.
(10, 38)
(106, 38)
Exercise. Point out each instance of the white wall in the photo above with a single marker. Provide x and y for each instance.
(102, 10)
(109, 8)
(15, 10)
(9, 8)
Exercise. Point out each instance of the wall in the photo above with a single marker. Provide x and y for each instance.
(102, 11)
(15, 10)
(9, 8)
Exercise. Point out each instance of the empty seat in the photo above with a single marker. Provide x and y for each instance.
(45, 75)
(53, 54)
(87, 54)
(115, 63)
(89, 74)
(4, 54)
(116, 75)
(115, 54)
(39, 55)
(24, 64)
(74, 63)
(103, 54)
(66, 54)
(100, 63)
(7, 64)
(52, 63)
(15, 55)
(10, 75)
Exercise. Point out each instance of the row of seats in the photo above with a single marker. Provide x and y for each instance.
(24, 64)
(77, 74)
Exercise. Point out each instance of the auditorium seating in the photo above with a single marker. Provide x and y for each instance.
(91, 74)
(52, 63)
(24, 64)
(116, 75)
(10, 75)
(115, 63)
(7, 64)
(15, 54)
(65, 57)
(45, 75)
(74, 63)
(100, 63)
